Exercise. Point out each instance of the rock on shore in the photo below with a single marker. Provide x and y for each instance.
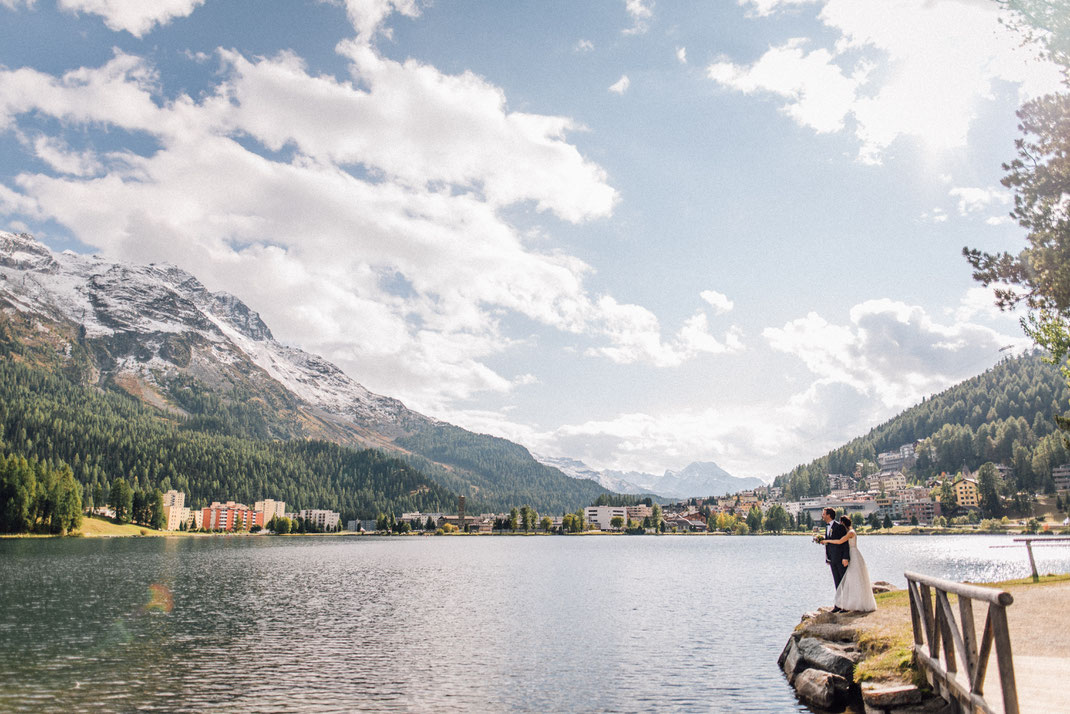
(819, 661)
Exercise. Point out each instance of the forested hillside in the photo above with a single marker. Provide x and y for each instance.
(1005, 415)
(496, 472)
(105, 434)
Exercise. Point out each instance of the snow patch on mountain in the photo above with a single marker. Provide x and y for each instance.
(575, 468)
(152, 301)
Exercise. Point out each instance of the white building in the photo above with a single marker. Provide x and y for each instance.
(323, 519)
(902, 458)
(887, 481)
(602, 516)
(270, 508)
(1061, 475)
(175, 512)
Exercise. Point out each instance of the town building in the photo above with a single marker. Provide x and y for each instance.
(321, 518)
(270, 508)
(638, 513)
(839, 482)
(1061, 476)
(902, 458)
(174, 511)
(230, 516)
(924, 510)
(887, 481)
(966, 493)
(602, 516)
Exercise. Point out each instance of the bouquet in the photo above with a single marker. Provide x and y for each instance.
(818, 537)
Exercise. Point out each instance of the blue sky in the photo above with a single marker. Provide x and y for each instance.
(631, 232)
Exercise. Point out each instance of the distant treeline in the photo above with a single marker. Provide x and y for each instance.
(1006, 415)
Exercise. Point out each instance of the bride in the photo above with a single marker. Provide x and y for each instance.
(854, 591)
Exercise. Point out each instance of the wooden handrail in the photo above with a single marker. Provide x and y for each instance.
(974, 592)
(946, 647)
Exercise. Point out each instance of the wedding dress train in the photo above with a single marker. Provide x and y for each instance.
(855, 592)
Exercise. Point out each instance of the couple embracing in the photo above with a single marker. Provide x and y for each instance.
(853, 591)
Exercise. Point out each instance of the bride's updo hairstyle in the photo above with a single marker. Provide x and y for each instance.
(845, 521)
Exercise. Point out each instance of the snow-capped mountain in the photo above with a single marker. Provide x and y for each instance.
(575, 468)
(155, 321)
(157, 333)
(696, 480)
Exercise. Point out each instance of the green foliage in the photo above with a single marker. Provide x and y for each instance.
(754, 519)
(617, 522)
(988, 486)
(36, 497)
(121, 500)
(493, 472)
(109, 437)
(621, 500)
(776, 519)
(1004, 415)
(1039, 175)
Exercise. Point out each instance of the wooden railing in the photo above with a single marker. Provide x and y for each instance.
(938, 632)
(1029, 549)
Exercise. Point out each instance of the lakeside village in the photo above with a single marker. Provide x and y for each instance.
(880, 500)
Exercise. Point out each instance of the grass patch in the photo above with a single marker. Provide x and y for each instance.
(887, 640)
(102, 528)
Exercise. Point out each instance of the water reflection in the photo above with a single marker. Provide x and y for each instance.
(475, 624)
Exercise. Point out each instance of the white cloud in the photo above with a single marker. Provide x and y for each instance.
(936, 215)
(818, 92)
(621, 85)
(719, 301)
(681, 55)
(636, 337)
(138, 17)
(764, 8)
(60, 157)
(374, 235)
(367, 16)
(890, 351)
(937, 62)
(981, 301)
(641, 11)
(584, 46)
(974, 200)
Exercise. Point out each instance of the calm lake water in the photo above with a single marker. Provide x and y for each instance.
(678, 623)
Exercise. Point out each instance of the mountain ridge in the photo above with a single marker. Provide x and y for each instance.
(155, 332)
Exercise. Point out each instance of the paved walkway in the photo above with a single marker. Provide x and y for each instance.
(1039, 623)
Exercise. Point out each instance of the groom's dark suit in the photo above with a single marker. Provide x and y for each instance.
(835, 553)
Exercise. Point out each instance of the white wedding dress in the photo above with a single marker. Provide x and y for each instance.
(855, 592)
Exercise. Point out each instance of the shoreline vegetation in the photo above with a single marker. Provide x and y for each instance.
(97, 527)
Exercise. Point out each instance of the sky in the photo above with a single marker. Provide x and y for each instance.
(638, 233)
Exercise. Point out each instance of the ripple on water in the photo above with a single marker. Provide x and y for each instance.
(414, 624)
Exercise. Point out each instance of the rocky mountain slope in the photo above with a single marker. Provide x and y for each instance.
(698, 479)
(155, 332)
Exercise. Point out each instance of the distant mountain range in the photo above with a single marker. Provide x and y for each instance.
(697, 480)
(156, 334)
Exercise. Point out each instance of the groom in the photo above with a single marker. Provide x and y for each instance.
(838, 556)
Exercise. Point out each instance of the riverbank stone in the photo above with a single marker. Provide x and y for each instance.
(885, 697)
(822, 689)
(829, 656)
(883, 586)
(830, 632)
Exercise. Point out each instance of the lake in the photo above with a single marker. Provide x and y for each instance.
(678, 623)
